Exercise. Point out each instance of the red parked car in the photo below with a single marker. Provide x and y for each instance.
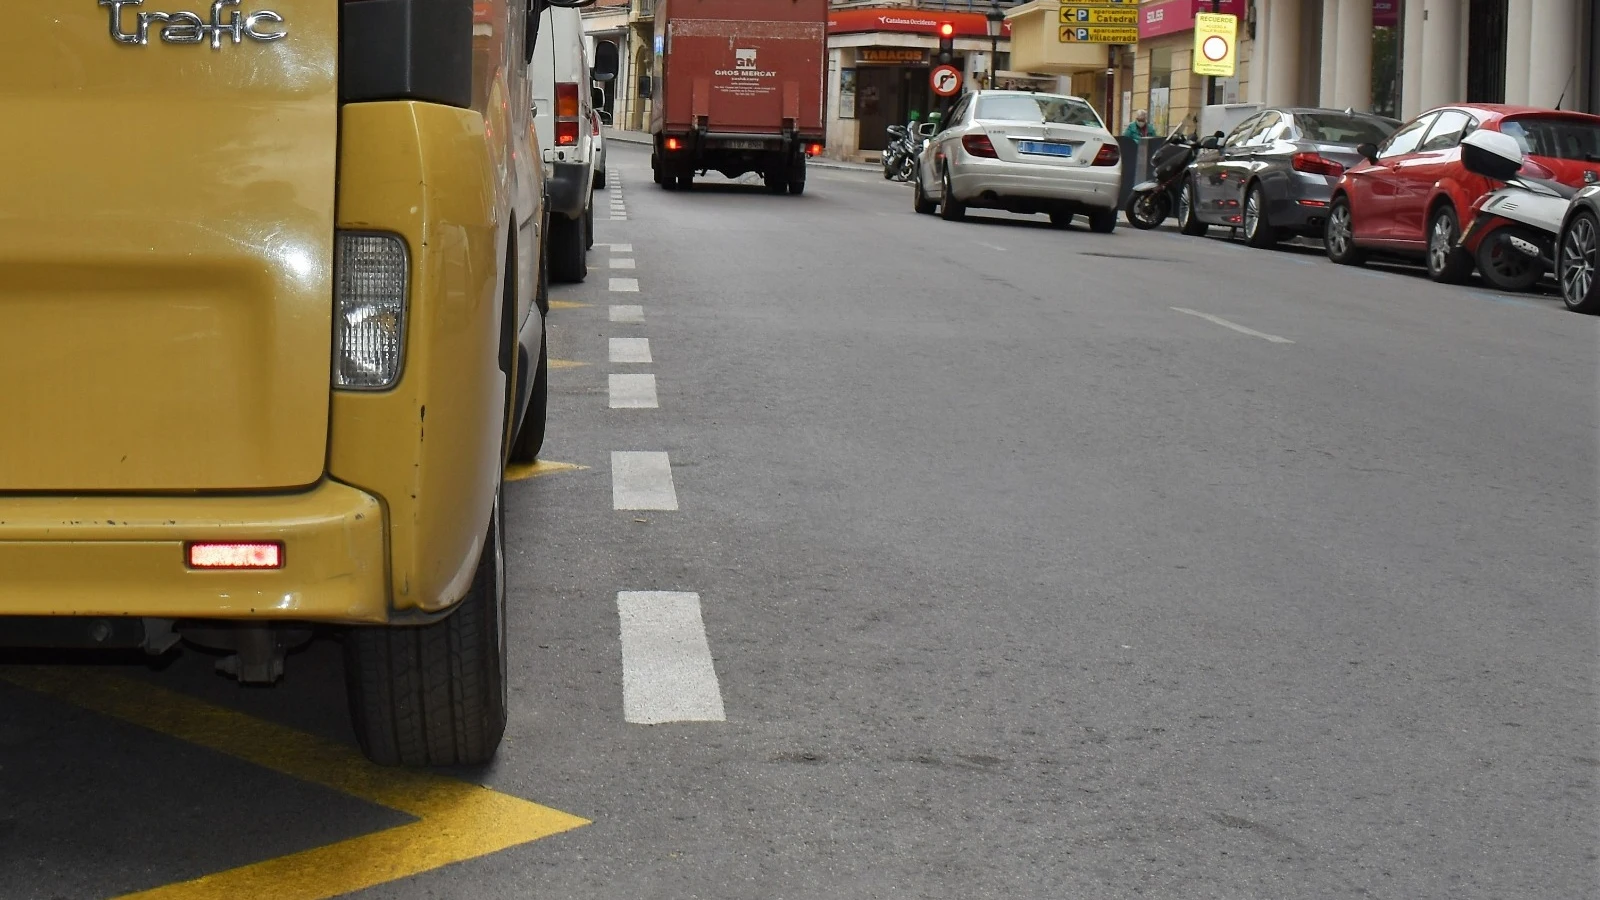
(1411, 195)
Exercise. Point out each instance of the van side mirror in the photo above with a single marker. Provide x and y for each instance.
(1368, 151)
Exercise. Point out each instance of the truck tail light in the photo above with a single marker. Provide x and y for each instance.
(979, 145)
(674, 144)
(813, 149)
(235, 555)
(1316, 164)
(370, 275)
(1109, 155)
(566, 113)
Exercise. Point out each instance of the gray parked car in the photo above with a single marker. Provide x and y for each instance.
(1273, 175)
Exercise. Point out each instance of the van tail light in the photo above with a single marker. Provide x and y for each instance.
(235, 555)
(596, 118)
(1316, 164)
(566, 113)
(370, 273)
(1109, 155)
(979, 145)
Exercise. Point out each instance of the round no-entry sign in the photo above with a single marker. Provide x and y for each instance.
(946, 80)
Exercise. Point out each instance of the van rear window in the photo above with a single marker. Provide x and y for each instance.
(1556, 138)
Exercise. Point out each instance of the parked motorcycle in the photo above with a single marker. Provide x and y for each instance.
(900, 157)
(894, 155)
(1513, 232)
(1152, 201)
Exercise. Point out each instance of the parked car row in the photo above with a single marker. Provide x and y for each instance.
(1371, 186)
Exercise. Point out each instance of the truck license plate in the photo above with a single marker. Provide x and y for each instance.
(743, 145)
(1045, 148)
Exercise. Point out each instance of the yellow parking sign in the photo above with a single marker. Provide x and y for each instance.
(1214, 37)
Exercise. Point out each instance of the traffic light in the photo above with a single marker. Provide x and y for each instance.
(947, 42)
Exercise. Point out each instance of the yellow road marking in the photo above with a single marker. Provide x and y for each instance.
(565, 364)
(566, 304)
(523, 471)
(457, 820)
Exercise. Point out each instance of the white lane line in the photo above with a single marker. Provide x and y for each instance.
(1236, 327)
(625, 285)
(630, 350)
(623, 262)
(991, 246)
(621, 248)
(627, 314)
(667, 672)
(642, 480)
(633, 392)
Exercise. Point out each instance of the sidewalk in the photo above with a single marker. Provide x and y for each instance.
(643, 137)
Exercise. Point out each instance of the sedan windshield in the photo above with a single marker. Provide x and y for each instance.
(1338, 128)
(1558, 138)
(1037, 108)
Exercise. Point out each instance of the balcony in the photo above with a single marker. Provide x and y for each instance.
(642, 11)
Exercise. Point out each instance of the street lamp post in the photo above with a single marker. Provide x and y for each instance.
(995, 18)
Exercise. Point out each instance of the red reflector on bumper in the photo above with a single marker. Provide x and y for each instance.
(236, 556)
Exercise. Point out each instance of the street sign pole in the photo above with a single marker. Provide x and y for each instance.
(1211, 88)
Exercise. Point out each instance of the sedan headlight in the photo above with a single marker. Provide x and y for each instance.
(370, 273)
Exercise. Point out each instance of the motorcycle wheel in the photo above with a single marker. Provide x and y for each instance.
(908, 167)
(888, 168)
(1148, 210)
(1505, 267)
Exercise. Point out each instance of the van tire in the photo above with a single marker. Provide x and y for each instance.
(588, 228)
(436, 694)
(569, 254)
(530, 434)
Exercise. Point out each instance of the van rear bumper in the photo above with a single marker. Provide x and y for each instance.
(125, 556)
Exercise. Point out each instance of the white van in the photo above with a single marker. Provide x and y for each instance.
(564, 121)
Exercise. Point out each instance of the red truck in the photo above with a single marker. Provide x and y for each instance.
(740, 87)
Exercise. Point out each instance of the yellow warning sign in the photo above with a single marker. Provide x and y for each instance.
(1214, 38)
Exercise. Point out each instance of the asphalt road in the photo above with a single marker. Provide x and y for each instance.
(1007, 562)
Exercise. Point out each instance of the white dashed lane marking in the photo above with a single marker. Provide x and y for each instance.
(627, 314)
(618, 248)
(621, 262)
(1236, 327)
(633, 392)
(625, 285)
(630, 350)
(667, 672)
(642, 480)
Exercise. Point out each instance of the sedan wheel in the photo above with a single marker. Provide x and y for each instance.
(1446, 263)
(1340, 235)
(1579, 261)
(1257, 230)
(949, 208)
(1188, 222)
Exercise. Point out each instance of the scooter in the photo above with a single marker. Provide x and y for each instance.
(1152, 201)
(1513, 233)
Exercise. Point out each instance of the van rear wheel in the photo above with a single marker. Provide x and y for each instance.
(435, 694)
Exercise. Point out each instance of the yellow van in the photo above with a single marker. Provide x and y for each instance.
(271, 314)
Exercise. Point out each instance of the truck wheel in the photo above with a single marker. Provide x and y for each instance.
(569, 255)
(797, 177)
(530, 436)
(435, 694)
(777, 184)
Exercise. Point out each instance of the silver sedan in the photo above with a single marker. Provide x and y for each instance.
(1024, 153)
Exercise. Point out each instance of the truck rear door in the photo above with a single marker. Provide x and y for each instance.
(747, 77)
(166, 243)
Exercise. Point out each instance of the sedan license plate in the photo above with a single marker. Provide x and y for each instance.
(743, 145)
(1045, 148)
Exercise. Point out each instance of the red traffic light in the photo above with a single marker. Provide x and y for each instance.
(946, 29)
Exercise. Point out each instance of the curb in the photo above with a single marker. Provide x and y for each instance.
(639, 137)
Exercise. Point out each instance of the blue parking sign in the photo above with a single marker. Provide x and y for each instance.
(1083, 34)
(1083, 15)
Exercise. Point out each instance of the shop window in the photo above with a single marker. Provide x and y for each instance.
(1160, 87)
